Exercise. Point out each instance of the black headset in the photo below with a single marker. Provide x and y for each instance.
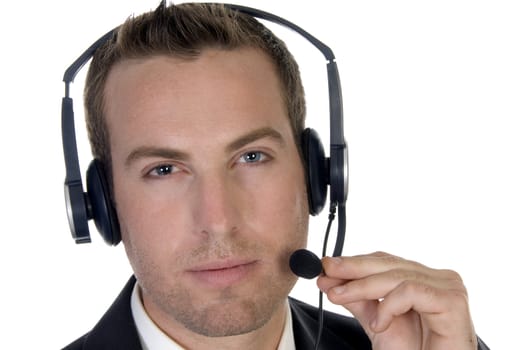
(321, 171)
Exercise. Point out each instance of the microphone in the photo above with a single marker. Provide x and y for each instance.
(305, 263)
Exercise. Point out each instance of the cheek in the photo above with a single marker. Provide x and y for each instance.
(279, 207)
(149, 227)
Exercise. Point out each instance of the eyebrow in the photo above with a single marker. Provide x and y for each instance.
(152, 151)
(170, 153)
(266, 132)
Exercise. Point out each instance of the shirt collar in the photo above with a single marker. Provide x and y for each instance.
(152, 337)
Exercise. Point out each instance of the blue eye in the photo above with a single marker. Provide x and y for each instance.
(253, 157)
(162, 170)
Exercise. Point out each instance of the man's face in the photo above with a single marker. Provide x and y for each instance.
(209, 187)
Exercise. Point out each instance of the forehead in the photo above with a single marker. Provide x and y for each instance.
(222, 90)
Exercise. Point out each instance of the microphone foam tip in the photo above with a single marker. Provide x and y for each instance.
(305, 263)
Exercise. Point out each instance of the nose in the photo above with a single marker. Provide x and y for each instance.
(215, 205)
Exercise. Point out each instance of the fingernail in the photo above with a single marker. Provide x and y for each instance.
(338, 290)
(337, 260)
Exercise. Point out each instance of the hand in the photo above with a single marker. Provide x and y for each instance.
(401, 304)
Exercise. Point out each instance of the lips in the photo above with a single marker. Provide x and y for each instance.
(222, 273)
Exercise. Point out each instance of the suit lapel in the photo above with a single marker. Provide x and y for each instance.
(305, 326)
(116, 330)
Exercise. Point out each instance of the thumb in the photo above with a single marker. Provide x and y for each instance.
(365, 313)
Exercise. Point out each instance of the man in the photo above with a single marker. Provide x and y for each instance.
(195, 113)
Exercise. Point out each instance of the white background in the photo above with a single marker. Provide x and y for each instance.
(435, 118)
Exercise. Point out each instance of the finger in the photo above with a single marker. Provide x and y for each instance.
(377, 286)
(434, 305)
(359, 266)
(326, 283)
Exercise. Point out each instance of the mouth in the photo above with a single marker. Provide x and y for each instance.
(222, 273)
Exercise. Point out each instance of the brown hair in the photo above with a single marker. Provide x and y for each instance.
(183, 31)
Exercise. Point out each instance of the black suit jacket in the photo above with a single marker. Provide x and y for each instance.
(116, 329)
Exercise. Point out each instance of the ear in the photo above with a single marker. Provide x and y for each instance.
(316, 168)
(100, 204)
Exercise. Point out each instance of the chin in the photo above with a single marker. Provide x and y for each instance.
(230, 319)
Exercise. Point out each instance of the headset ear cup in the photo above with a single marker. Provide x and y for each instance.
(316, 169)
(101, 207)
